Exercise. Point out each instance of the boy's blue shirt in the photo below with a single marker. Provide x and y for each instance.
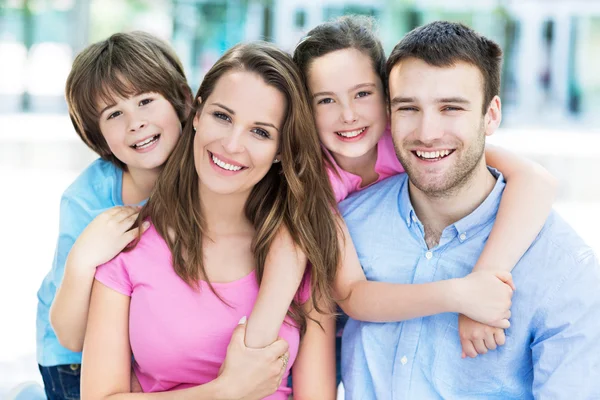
(97, 189)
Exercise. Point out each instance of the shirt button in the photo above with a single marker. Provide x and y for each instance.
(414, 218)
(463, 236)
(403, 360)
(428, 255)
(408, 220)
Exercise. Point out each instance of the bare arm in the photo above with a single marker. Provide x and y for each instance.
(314, 370)
(284, 269)
(481, 295)
(526, 203)
(100, 241)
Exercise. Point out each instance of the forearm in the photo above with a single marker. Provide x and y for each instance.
(209, 391)
(387, 302)
(526, 203)
(69, 311)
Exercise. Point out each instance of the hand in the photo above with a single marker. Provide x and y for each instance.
(105, 237)
(252, 373)
(486, 297)
(477, 338)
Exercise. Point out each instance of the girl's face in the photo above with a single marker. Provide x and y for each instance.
(141, 131)
(238, 131)
(349, 102)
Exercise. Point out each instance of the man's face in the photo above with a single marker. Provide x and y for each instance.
(437, 123)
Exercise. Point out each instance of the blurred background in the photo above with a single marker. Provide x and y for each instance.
(550, 93)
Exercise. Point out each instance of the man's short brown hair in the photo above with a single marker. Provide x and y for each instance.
(124, 65)
(442, 44)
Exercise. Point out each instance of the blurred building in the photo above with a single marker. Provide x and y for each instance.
(549, 70)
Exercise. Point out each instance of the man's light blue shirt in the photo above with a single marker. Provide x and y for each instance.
(552, 348)
(97, 189)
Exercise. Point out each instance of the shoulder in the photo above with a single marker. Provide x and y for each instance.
(384, 194)
(95, 185)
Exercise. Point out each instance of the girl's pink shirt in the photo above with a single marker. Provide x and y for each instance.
(387, 165)
(179, 336)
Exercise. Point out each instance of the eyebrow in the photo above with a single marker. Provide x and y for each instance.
(359, 86)
(456, 100)
(107, 107)
(229, 110)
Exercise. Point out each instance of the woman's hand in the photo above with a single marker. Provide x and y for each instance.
(249, 374)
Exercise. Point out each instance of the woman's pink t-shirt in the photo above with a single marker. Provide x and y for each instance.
(387, 165)
(179, 336)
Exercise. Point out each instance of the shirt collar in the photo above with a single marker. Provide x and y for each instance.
(470, 224)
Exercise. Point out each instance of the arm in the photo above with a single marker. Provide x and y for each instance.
(482, 295)
(99, 242)
(314, 369)
(526, 203)
(284, 269)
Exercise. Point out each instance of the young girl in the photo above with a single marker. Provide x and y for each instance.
(343, 65)
(127, 98)
(247, 164)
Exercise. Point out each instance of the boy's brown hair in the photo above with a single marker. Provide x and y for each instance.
(124, 65)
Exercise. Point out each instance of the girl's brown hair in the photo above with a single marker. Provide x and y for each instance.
(295, 194)
(125, 64)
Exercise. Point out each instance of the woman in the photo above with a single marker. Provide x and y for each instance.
(248, 166)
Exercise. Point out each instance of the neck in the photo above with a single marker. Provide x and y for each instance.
(138, 183)
(224, 214)
(437, 212)
(363, 166)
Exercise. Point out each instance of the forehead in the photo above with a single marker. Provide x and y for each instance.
(247, 94)
(415, 78)
(341, 68)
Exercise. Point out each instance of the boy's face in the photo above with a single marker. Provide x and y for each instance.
(141, 131)
(437, 123)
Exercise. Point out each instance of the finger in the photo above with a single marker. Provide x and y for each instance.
(489, 341)
(505, 277)
(479, 345)
(276, 349)
(239, 332)
(468, 348)
(128, 221)
(502, 324)
(129, 236)
(500, 337)
(508, 314)
(127, 212)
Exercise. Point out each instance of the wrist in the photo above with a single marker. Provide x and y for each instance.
(221, 390)
(455, 293)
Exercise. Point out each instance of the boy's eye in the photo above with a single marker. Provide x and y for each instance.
(362, 94)
(114, 115)
(261, 132)
(221, 116)
(327, 100)
(146, 101)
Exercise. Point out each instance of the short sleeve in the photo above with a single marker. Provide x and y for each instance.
(114, 274)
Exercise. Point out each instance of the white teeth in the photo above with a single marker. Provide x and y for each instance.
(224, 165)
(432, 154)
(145, 142)
(352, 133)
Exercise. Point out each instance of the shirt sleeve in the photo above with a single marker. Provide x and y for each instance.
(566, 341)
(114, 274)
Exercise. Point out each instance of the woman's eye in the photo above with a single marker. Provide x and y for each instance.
(221, 116)
(362, 94)
(146, 101)
(327, 100)
(261, 132)
(114, 115)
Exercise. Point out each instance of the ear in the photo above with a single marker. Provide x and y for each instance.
(198, 109)
(493, 116)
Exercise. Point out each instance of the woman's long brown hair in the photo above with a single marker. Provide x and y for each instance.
(294, 194)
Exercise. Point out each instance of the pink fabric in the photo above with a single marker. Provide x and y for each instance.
(387, 165)
(179, 336)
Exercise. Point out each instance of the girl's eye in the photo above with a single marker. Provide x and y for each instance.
(327, 100)
(146, 101)
(362, 94)
(114, 115)
(261, 132)
(221, 116)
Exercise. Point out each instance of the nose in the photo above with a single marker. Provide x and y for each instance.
(430, 129)
(233, 143)
(136, 122)
(348, 114)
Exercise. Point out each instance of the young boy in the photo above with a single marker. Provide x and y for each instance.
(127, 98)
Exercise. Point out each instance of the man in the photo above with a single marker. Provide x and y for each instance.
(433, 223)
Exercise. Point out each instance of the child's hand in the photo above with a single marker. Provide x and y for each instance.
(477, 338)
(486, 297)
(105, 237)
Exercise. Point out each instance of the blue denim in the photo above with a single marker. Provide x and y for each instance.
(61, 382)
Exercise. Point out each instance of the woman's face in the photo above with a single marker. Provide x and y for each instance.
(349, 102)
(238, 131)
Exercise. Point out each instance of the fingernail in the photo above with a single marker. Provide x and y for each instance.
(146, 224)
(242, 320)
